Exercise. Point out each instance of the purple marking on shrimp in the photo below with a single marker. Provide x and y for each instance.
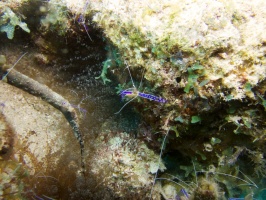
(143, 95)
(2, 104)
(236, 198)
(152, 97)
(86, 5)
(86, 27)
(79, 108)
(81, 19)
(177, 197)
(38, 197)
(84, 111)
(125, 92)
(185, 192)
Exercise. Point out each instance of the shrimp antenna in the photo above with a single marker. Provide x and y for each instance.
(125, 105)
(141, 78)
(159, 161)
(134, 87)
(14, 65)
(130, 75)
(195, 173)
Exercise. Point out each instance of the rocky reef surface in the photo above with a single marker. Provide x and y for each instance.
(194, 71)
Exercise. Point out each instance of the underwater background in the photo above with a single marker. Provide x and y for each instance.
(133, 99)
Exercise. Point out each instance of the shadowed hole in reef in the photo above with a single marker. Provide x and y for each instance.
(70, 70)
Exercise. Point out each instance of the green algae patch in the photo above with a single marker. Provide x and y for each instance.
(193, 60)
(9, 20)
(203, 65)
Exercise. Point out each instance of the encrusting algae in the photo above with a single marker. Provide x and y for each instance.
(200, 67)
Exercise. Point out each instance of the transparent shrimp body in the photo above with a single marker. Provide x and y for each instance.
(134, 93)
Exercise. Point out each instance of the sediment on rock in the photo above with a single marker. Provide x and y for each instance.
(56, 100)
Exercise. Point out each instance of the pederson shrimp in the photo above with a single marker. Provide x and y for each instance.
(134, 93)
